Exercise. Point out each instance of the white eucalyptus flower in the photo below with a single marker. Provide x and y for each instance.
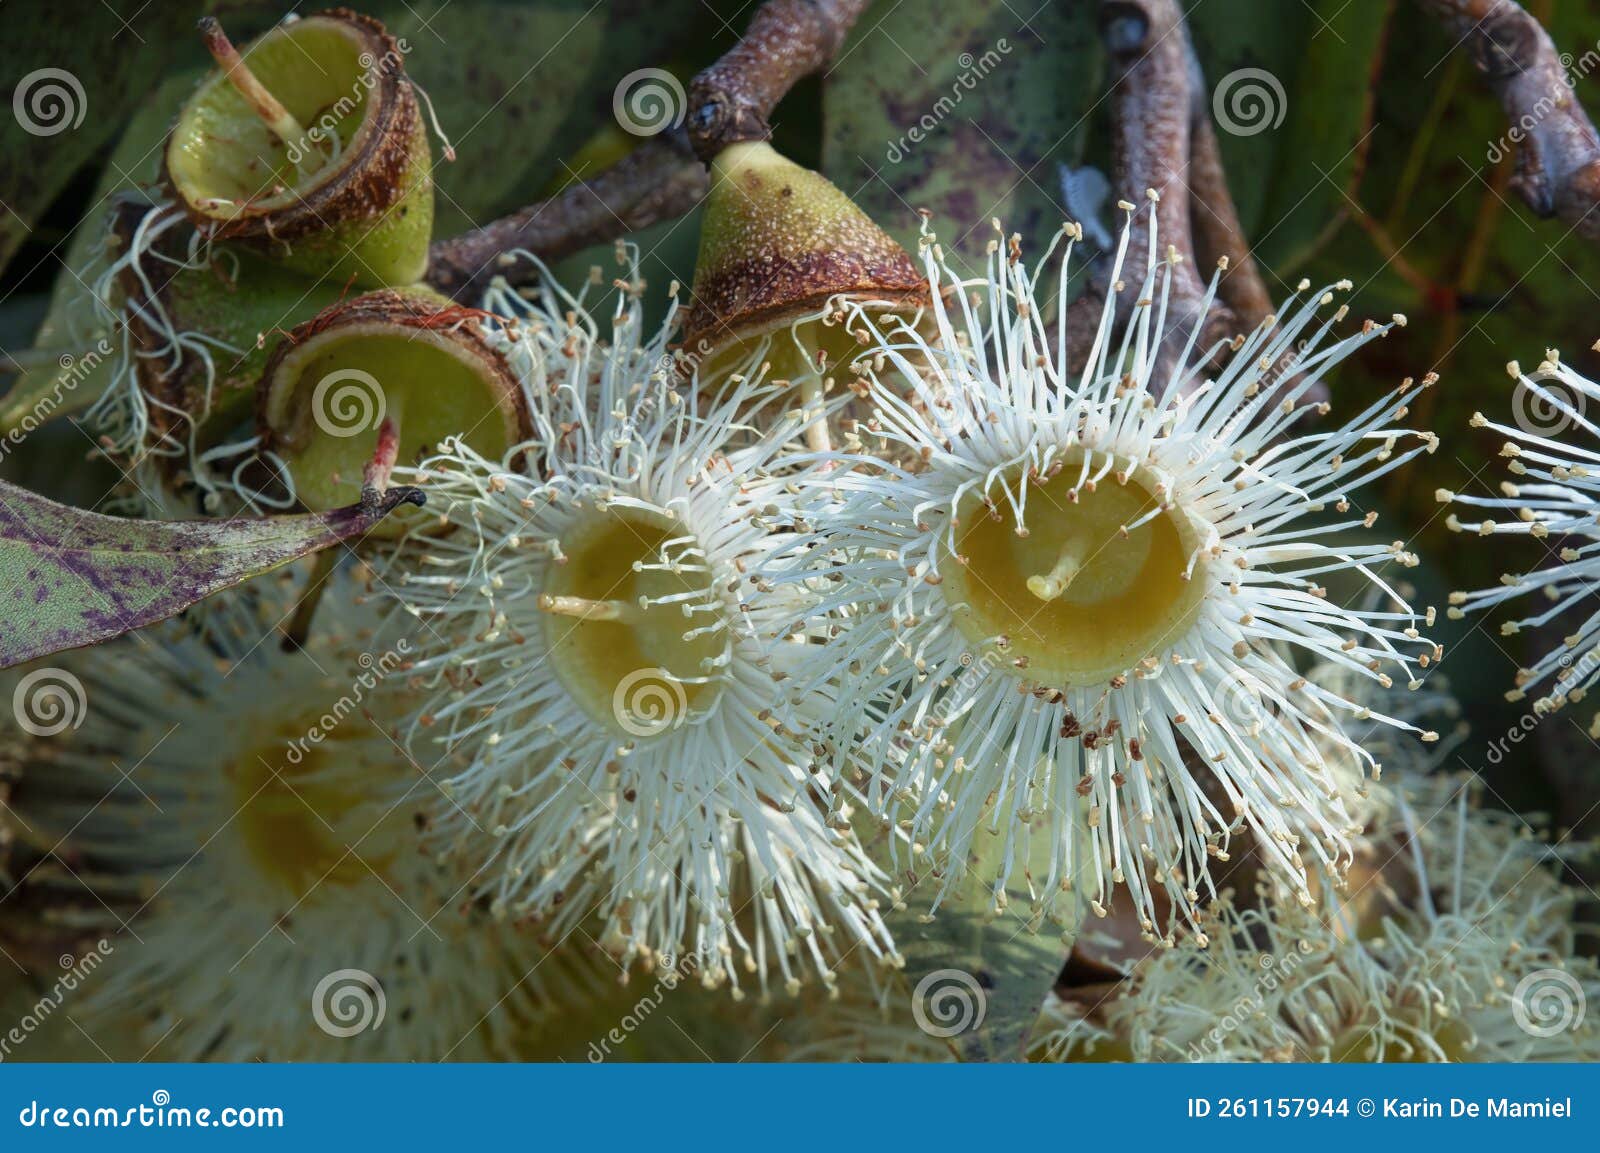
(1466, 954)
(244, 825)
(1085, 599)
(1390, 753)
(1554, 499)
(610, 709)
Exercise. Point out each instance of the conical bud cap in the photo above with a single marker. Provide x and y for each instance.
(778, 241)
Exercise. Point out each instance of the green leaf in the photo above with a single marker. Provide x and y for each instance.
(50, 391)
(985, 968)
(520, 86)
(1288, 177)
(74, 78)
(134, 167)
(965, 110)
(1236, 44)
(70, 578)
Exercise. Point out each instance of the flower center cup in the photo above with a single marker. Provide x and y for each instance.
(225, 158)
(633, 627)
(292, 811)
(1080, 596)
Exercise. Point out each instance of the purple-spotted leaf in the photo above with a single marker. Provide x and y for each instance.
(70, 578)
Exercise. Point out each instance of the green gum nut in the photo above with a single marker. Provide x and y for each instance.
(346, 194)
(237, 298)
(408, 356)
(777, 243)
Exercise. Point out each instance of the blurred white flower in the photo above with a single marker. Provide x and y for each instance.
(245, 818)
(1437, 953)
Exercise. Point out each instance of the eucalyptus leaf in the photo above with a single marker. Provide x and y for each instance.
(519, 87)
(133, 169)
(71, 78)
(978, 969)
(70, 578)
(51, 391)
(967, 110)
(1289, 88)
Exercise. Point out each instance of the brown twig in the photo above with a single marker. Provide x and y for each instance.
(1151, 101)
(298, 630)
(1151, 117)
(787, 40)
(1218, 234)
(1558, 153)
(659, 180)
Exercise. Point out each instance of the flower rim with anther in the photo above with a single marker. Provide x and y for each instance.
(600, 687)
(951, 723)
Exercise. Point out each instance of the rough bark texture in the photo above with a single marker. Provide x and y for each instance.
(787, 40)
(1558, 150)
(1151, 117)
(659, 180)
